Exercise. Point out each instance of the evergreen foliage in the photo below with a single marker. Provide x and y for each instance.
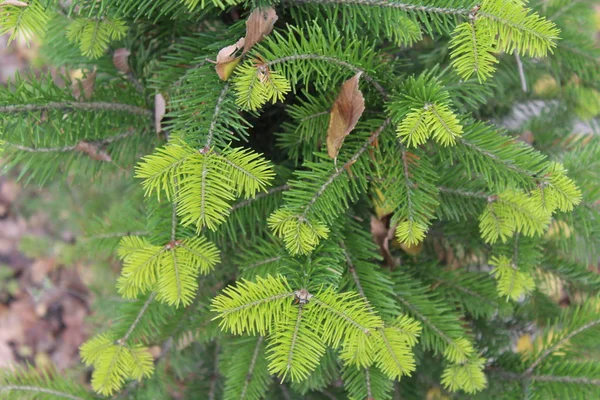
(247, 253)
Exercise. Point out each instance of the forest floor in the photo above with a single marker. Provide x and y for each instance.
(44, 298)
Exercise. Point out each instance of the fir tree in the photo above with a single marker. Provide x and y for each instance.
(272, 142)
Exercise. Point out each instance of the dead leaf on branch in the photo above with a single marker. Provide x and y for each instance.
(93, 150)
(160, 107)
(84, 88)
(345, 113)
(258, 25)
(15, 3)
(121, 59)
(227, 59)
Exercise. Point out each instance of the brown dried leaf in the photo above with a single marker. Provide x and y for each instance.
(347, 109)
(381, 232)
(87, 84)
(121, 59)
(93, 150)
(15, 3)
(160, 107)
(227, 60)
(258, 25)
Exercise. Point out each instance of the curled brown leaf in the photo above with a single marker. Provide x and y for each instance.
(93, 150)
(345, 113)
(15, 3)
(84, 88)
(227, 59)
(160, 107)
(258, 25)
(121, 59)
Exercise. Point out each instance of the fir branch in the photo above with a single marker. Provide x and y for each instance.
(368, 383)
(394, 4)
(354, 275)
(315, 115)
(92, 106)
(257, 302)
(494, 157)
(249, 201)
(113, 235)
(66, 149)
(343, 316)
(251, 367)
(465, 290)
(215, 118)
(40, 390)
(426, 321)
(263, 262)
(559, 343)
(521, 72)
(566, 379)
(465, 193)
(137, 319)
(365, 75)
(293, 340)
(346, 165)
(183, 77)
(213, 379)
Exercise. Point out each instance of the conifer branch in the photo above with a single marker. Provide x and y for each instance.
(293, 340)
(213, 379)
(250, 373)
(113, 235)
(40, 390)
(394, 4)
(365, 75)
(257, 302)
(138, 318)
(512, 24)
(258, 196)
(426, 321)
(343, 316)
(545, 378)
(464, 193)
(184, 76)
(346, 165)
(559, 343)
(561, 10)
(215, 118)
(521, 72)
(174, 214)
(566, 379)
(494, 157)
(353, 273)
(92, 106)
(66, 149)
(315, 115)
(263, 262)
(368, 382)
(465, 290)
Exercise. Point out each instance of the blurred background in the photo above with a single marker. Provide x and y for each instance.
(48, 276)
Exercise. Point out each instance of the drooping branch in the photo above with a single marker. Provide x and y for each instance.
(75, 147)
(333, 60)
(394, 4)
(250, 373)
(39, 390)
(559, 343)
(349, 163)
(71, 105)
(215, 118)
(138, 318)
(249, 201)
